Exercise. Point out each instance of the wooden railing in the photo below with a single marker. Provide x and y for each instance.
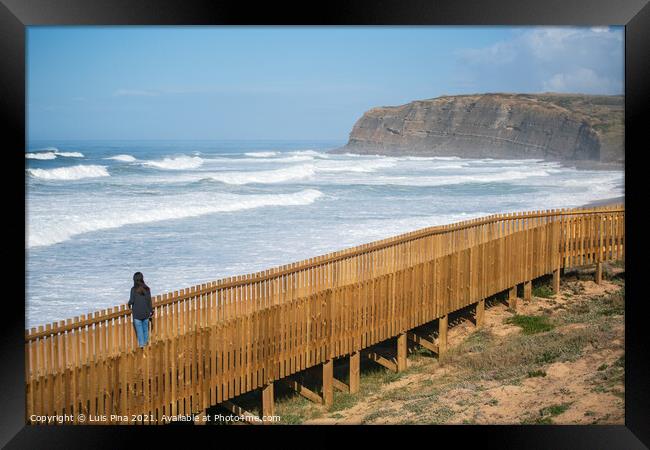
(212, 342)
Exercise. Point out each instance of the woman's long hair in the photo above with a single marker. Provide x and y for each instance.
(139, 284)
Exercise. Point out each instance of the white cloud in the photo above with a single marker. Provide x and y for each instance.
(580, 80)
(561, 59)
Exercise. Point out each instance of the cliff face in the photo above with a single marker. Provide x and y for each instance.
(547, 126)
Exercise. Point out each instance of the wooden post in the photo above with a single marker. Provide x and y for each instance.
(443, 323)
(199, 418)
(556, 281)
(599, 273)
(480, 313)
(268, 404)
(528, 290)
(355, 371)
(512, 297)
(328, 385)
(401, 352)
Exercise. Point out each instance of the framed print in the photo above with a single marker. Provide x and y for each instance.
(373, 215)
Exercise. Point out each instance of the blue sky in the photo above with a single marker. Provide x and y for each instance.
(289, 82)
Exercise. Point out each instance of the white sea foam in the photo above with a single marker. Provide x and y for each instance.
(312, 153)
(283, 175)
(70, 173)
(69, 154)
(52, 153)
(49, 229)
(261, 154)
(41, 155)
(176, 163)
(356, 166)
(122, 158)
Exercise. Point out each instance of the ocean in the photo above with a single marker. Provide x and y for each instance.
(189, 212)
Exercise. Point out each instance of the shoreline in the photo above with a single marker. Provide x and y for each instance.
(574, 164)
(607, 201)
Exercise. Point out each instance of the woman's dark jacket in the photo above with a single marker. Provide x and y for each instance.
(140, 304)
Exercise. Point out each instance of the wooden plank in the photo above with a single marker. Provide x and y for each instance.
(401, 352)
(248, 417)
(420, 340)
(512, 297)
(556, 282)
(379, 359)
(355, 371)
(341, 386)
(528, 289)
(480, 313)
(328, 388)
(302, 390)
(268, 403)
(443, 324)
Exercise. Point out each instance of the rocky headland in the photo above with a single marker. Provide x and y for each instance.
(581, 130)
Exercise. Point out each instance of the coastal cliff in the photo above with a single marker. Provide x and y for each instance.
(564, 127)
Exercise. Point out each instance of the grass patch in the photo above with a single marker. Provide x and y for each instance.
(477, 341)
(343, 400)
(536, 373)
(546, 415)
(602, 367)
(531, 324)
(554, 410)
(543, 291)
(620, 362)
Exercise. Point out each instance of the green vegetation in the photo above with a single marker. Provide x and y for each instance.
(543, 291)
(531, 324)
(546, 414)
(481, 358)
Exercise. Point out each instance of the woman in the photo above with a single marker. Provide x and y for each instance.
(141, 308)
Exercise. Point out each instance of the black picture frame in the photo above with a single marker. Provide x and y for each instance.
(15, 15)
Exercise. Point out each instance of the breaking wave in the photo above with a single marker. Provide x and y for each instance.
(53, 230)
(265, 176)
(176, 163)
(70, 173)
(41, 155)
(261, 154)
(122, 158)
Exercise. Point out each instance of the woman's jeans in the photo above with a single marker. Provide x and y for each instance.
(142, 331)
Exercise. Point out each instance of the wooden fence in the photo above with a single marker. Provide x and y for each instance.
(213, 342)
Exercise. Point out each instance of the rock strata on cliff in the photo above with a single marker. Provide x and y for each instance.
(545, 126)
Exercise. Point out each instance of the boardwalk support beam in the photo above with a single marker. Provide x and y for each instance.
(248, 417)
(302, 390)
(528, 290)
(199, 419)
(443, 325)
(480, 313)
(599, 273)
(556, 282)
(328, 383)
(512, 297)
(376, 357)
(268, 402)
(355, 372)
(401, 352)
(420, 340)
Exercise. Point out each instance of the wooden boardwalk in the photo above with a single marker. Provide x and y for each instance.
(214, 342)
